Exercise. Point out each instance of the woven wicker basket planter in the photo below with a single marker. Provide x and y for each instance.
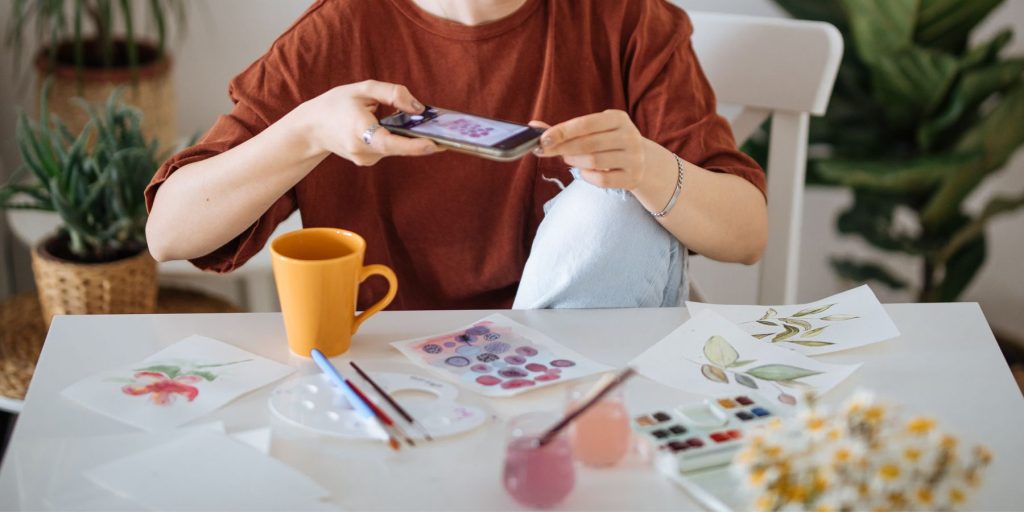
(65, 287)
(150, 88)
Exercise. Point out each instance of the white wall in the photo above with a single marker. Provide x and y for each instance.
(226, 35)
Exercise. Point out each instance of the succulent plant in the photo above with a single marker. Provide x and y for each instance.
(93, 180)
(918, 119)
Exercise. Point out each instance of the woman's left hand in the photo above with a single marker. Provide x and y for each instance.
(606, 147)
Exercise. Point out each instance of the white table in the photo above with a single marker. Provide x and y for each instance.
(946, 363)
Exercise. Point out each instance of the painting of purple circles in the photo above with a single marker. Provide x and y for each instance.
(432, 348)
(497, 347)
(457, 361)
(516, 383)
(512, 372)
(515, 359)
(467, 350)
(526, 351)
(477, 330)
(487, 357)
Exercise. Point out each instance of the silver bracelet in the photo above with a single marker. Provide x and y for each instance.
(675, 195)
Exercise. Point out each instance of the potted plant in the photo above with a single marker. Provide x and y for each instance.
(97, 262)
(919, 118)
(90, 47)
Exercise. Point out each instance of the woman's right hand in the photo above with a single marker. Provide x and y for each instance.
(340, 116)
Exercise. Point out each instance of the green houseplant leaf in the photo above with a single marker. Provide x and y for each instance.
(829, 12)
(988, 52)
(93, 179)
(997, 135)
(974, 87)
(909, 84)
(946, 24)
(918, 119)
(895, 176)
(880, 27)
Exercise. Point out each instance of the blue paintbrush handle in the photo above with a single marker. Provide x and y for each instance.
(358, 404)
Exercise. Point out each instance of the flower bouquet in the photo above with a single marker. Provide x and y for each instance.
(864, 457)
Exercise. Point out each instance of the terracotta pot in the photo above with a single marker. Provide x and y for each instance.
(66, 287)
(149, 87)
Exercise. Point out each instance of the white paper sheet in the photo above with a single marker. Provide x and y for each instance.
(187, 380)
(498, 357)
(258, 438)
(843, 321)
(56, 465)
(712, 356)
(208, 471)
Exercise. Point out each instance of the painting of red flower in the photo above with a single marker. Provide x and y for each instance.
(162, 389)
(164, 383)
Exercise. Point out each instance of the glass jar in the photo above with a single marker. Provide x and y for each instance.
(537, 476)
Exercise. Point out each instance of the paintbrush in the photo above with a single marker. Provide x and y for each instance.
(568, 418)
(381, 415)
(392, 402)
(361, 406)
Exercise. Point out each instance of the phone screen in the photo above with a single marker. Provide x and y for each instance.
(464, 128)
(467, 128)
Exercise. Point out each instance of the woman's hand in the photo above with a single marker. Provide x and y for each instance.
(606, 147)
(338, 118)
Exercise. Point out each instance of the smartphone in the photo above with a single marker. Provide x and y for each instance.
(466, 133)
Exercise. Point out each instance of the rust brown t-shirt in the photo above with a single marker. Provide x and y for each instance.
(455, 228)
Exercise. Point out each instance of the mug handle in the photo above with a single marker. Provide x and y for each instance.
(386, 273)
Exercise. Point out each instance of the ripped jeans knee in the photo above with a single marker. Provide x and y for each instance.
(599, 248)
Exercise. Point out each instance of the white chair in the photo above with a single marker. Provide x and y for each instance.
(782, 69)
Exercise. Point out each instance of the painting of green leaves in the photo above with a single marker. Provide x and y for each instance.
(842, 321)
(713, 356)
(801, 328)
(724, 360)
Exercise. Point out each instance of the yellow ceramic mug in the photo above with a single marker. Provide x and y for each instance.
(318, 272)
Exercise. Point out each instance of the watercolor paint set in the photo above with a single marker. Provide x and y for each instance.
(702, 435)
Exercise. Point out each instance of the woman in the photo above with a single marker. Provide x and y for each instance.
(629, 107)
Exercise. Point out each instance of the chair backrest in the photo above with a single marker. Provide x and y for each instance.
(782, 69)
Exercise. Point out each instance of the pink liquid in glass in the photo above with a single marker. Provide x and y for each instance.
(539, 477)
(600, 436)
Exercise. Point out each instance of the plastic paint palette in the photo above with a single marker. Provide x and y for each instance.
(313, 403)
(702, 435)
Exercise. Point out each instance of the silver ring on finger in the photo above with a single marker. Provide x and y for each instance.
(368, 134)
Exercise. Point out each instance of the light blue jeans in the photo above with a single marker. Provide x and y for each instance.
(599, 248)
